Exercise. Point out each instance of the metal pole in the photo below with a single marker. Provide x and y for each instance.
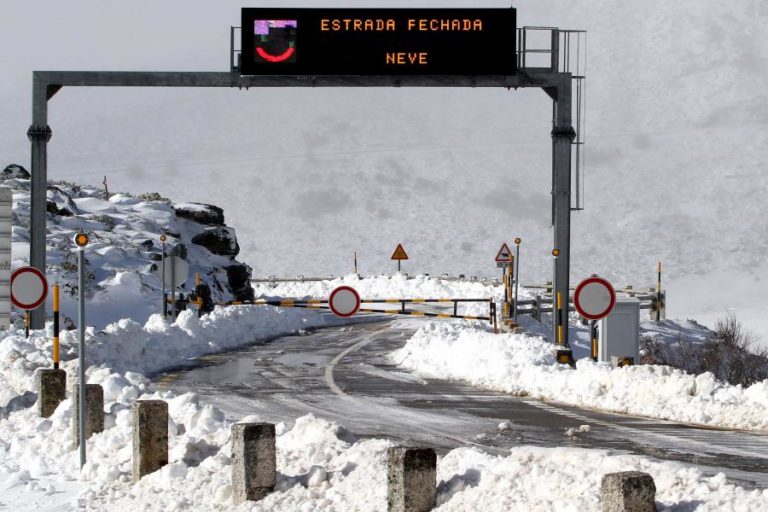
(39, 134)
(593, 338)
(658, 294)
(355, 262)
(517, 275)
(165, 306)
(81, 325)
(173, 287)
(562, 138)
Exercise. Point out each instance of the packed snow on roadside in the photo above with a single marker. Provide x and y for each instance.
(321, 466)
(525, 365)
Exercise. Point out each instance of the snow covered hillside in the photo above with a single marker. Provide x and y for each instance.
(675, 147)
(123, 258)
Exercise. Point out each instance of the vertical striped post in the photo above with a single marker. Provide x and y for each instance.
(555, 308)
(658, 293)
(517, 275)
(559, 318)
(593, 337)
(56, 326)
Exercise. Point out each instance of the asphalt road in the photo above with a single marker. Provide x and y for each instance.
(342, 374)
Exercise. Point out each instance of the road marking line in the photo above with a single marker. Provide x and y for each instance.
(332, 364)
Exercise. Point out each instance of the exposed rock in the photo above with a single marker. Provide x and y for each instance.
(219, 240)
(15, 171)
(59, 202)
(239, 277)
(202, 213)
(179, 250)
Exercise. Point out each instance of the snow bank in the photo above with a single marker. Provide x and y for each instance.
(320, 465)
(525, 365)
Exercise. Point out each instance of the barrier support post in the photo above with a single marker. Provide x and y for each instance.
(56, 354)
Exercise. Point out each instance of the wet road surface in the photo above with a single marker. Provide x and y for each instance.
(342, 374)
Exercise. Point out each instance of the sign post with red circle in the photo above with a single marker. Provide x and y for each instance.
(594, 298)
(344, 301)
(29, 288)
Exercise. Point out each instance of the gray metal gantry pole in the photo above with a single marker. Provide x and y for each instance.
(39, 134)
(562, 137)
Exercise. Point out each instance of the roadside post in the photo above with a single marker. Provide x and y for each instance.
(517, 275)
(355, 262)
(555, 254)
(56, 358)
(173, 287)
(162, 277)
(399, 255)
(81, 240)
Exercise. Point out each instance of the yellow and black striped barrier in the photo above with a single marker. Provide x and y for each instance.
(56, 358)
(424, 313)
(323, 304)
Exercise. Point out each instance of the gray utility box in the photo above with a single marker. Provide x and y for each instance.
(619, 333)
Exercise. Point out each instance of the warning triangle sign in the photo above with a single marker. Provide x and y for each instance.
(399, 253)
(504, 255)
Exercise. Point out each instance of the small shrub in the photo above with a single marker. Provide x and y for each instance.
(153, 196)
(731, 353)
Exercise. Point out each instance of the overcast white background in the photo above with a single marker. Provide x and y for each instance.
(676, 145)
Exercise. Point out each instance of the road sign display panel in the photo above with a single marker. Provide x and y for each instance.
(594, 298)
(344, 301)
(467, 41)
(399, 253)
(504, 255)
(29, 288)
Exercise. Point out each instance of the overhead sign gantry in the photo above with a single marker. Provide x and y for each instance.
(354, 48)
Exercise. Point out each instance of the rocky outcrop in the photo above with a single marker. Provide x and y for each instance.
(207, 214)
(219, 240)
(239, 278)
(59, 202)
(14, 171)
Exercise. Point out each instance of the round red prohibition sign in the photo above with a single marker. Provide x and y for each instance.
(594, 298)
(29, 288)
(344, 301)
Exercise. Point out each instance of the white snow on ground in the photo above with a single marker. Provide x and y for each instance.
(525, 365)
(321, 466)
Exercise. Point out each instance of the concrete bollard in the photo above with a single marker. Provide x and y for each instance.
(150, 437)
(254, 461)
(51, 390)
(411, 479)
(94, 411)
(628, 491)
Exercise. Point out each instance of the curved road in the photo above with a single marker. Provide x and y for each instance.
(342, 374)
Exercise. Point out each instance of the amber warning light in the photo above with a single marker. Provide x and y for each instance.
(450, 42)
